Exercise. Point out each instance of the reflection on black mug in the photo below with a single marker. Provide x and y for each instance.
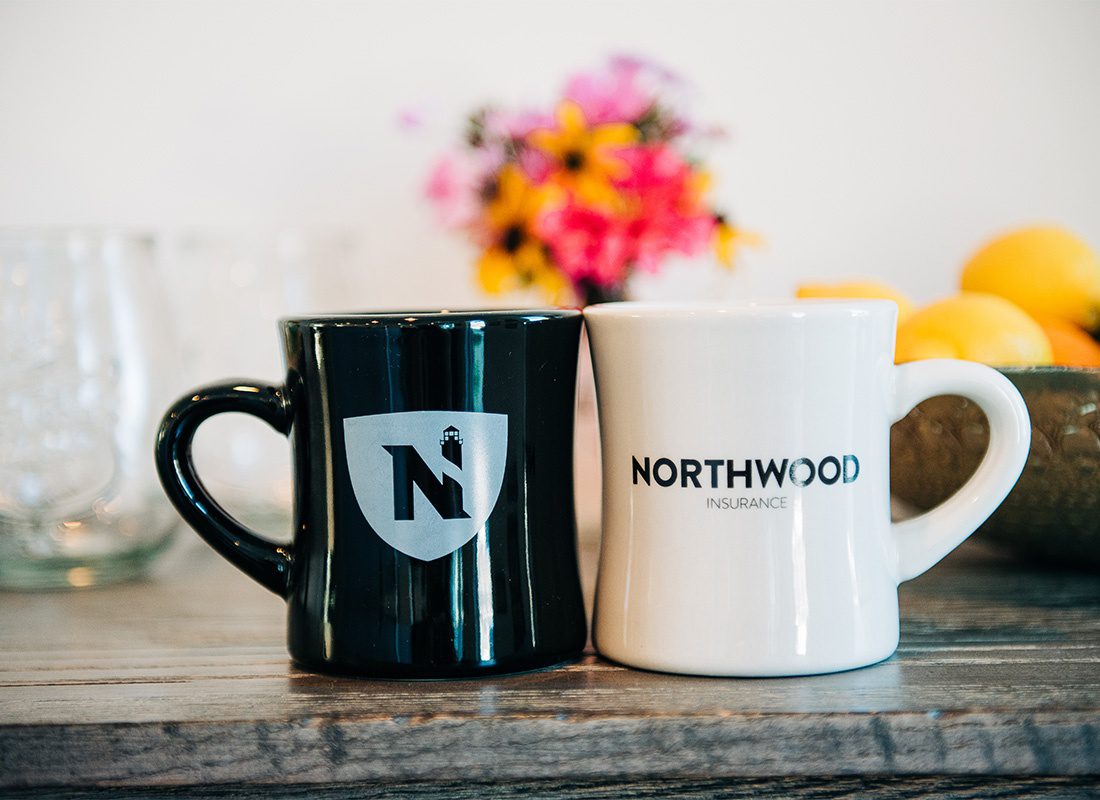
(434, 529)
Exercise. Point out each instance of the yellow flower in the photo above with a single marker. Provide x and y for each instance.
(515, 256)
(514, 202)
(728, 238)
(699, 185)
(581, 153)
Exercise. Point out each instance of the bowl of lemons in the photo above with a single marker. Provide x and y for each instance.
(1029, 305)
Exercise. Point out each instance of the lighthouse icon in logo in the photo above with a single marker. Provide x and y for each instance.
(451, 446)
(427, 481)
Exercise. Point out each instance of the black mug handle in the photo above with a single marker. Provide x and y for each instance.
(264, 561)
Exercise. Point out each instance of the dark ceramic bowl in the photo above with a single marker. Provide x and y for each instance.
(1053, 513)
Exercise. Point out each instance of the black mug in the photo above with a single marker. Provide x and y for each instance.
(434, 527)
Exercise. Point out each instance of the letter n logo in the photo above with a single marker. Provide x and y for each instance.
(409, 472)
(426, 481)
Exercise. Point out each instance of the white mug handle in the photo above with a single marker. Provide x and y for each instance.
(922, 541)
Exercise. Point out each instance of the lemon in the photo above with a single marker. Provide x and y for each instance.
(976, 327)
(872, 290)
(1044, 270)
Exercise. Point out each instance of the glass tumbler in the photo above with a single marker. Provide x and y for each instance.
(85, 350)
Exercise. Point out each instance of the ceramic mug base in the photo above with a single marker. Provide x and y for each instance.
(793, 669)
(379, 671)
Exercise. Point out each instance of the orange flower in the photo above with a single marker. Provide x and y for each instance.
(515, 256)
(582, 154)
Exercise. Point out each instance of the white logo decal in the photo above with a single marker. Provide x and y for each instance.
(426, 481)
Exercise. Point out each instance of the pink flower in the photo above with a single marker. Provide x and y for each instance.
(662, 213)
(656, 238)
(505, 134)
(457, 184)
(505, 125)
(614, 95)
(654, 169)
(410, 119)
(667, 210)
(451, 187)
(589, 245)
(645, 66)
(536, 164)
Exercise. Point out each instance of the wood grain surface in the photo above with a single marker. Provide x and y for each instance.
(183, 681)
(830, 788)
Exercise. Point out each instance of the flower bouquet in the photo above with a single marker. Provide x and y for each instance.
(573, 201)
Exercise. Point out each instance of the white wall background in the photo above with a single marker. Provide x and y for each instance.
(883, 138)
(868, 138)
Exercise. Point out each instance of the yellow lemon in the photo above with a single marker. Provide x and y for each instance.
(976, 327)
(1044, 270)
(871, 290)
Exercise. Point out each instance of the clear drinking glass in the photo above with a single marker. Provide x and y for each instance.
(85, 359)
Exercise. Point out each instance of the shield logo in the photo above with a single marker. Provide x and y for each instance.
(426, 481)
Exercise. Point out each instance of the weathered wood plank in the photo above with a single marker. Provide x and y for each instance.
(318, 750)
(185, 681)
(829, 788)
(590, 688)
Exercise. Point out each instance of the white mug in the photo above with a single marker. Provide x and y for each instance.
(746, 484)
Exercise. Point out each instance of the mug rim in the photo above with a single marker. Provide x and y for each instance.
(430, 316)
(740, 309)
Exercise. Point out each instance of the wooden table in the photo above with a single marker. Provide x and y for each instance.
(183, 681)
